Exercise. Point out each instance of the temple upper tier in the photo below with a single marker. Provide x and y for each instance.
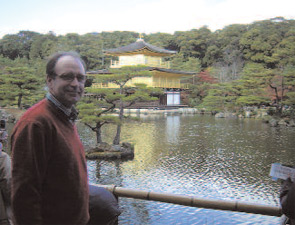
(140, 53)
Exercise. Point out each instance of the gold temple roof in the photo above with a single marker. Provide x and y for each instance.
(139, 47)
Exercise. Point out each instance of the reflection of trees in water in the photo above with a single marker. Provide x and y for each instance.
(110, 173)
(97, 169)
(134, 211)
(172, 129)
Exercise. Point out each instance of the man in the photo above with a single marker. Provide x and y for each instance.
(287, 199)
(49, 171)
(5, 178)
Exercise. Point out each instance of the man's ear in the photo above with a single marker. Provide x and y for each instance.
(49, 81)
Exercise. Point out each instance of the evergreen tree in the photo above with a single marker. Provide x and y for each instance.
(289, 86)
(253, 84)
(43, 46)
(128, 95)
(17, 45)
(221, 97)
(19, 84)
(189, 64)
(94, 109)
(94, 112)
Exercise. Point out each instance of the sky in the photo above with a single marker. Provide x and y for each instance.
(143, 16)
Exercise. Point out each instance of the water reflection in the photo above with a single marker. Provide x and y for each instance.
(197, 155)
(172, 129)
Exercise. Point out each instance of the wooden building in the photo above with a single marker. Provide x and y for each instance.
(155, 58)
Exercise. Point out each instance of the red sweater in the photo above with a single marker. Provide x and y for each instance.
(49, 171)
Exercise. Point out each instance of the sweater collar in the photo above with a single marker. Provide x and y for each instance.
(71, 113)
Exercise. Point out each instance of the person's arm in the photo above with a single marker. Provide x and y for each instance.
(5, 176)
(287, 198)
(29, 160)
(103, 206)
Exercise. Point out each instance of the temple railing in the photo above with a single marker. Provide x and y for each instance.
(118, 64)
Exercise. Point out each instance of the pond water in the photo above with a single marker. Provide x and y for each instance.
(196, 155)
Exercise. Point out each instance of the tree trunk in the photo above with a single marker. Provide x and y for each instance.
(98, 135)
(282, 96)
(19, 101)
(278, 110)
(118, 134)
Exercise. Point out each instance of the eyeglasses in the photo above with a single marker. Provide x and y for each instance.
(70, 77)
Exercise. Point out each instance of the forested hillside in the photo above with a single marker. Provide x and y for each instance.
(254, 64)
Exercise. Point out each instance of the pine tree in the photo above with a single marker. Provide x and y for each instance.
(101, 101)
(20, 85)
(94, 109)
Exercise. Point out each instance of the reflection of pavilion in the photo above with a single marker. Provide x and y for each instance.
(142, 53)
(172, 128)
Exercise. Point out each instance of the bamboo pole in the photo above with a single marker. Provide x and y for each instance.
(193, 201)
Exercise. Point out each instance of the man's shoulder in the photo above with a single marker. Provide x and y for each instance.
(38, 110)
(37, 114)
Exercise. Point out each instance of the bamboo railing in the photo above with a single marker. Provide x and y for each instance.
(193, 201)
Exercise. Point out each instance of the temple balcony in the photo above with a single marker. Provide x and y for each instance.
(151, 63)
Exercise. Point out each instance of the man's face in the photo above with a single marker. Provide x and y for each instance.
(68, 85)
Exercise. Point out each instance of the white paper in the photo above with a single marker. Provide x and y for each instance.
(279, 171)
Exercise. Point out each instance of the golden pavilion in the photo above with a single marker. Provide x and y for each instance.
(155, 59)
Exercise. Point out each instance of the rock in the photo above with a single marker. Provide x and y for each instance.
(127, 150)
(202, 111)
(230, 115)
(266, 119)
(220, 115)
(115, 148)
(263, 113)
(273, 122)
(282, 122)
(100, 147)
(6, 116)
(127, 155)
(291, 123)
(129, 147)
(11, 119)
(225, 115)
(126, 145)
(104, 155)
(247, 114)
(91, 150)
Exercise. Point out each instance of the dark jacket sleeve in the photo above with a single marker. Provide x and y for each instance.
(29, 161)
(287, 198)
(103, 206)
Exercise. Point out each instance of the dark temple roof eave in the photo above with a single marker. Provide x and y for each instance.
(173, 71)
(187, 73)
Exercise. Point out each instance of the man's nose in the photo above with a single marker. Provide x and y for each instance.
(75, 82)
